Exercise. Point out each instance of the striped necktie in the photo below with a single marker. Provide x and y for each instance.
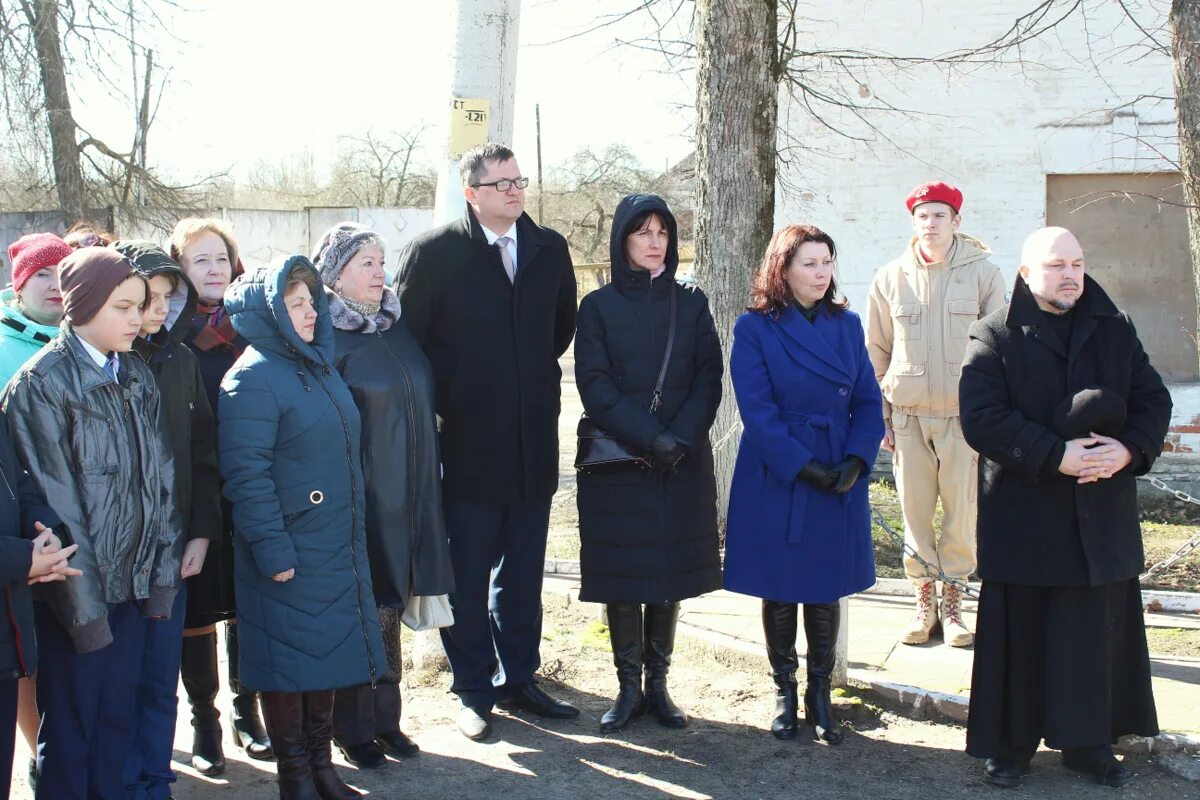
(509, 266)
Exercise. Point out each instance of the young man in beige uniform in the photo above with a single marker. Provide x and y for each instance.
(919, 308)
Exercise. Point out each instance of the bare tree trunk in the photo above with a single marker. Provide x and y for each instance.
(68, 175)
(1185, 52)
(737, 106)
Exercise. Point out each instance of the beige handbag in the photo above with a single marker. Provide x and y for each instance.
(427, 612)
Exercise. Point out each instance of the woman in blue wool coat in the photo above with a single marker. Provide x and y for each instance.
(799, 528)
(289, 446)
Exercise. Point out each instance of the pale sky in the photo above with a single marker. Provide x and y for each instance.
(264, 79)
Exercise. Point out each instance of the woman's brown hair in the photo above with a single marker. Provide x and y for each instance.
(770, 293)
(302, 275)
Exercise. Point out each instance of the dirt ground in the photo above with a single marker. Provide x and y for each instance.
(724, 753)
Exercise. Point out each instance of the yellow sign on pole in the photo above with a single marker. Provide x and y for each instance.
(468, 124)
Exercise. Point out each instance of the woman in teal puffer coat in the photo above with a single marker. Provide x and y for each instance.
(289, 449)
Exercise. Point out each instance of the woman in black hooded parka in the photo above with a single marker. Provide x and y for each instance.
(648, 537)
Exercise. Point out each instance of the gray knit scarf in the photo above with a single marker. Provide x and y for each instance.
(348, 315)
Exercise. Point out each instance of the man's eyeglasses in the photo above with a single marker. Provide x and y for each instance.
(504, 184)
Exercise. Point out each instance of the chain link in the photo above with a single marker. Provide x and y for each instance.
(1188, 547)
(931, 570)
(1178, 493)
(727, 438)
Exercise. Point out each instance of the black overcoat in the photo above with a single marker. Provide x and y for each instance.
(1037, 526)
(648, 536)
(494, 348)
(392, 385)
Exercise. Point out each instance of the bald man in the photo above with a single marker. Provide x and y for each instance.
(1062, 404)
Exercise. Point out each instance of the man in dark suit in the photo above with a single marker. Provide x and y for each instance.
(491, 299)
(1065, 409)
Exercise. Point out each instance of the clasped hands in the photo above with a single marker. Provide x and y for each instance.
(668, 449)
(837, 479)
(49, 562)
(1094, 457)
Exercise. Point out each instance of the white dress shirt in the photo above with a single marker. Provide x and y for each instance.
(512, 240)
(101, 359)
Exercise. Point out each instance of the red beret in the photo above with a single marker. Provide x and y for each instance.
(936, 192)
(33, 252)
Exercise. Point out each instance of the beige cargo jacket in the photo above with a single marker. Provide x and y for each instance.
(917, 320)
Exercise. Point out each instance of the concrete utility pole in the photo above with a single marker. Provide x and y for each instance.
(483, 68)
(483, 85)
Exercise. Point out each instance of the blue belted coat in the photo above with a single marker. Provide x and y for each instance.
(805, 390)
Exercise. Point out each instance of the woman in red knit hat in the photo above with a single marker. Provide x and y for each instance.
(31, 308)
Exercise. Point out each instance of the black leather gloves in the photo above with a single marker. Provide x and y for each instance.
(836, 479)
(668, 450)
(819, 475)
(849, 471)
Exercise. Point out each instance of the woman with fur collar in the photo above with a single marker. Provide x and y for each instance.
(392, 385)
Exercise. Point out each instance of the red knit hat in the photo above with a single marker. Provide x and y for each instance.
(32, 252)
(936, 192)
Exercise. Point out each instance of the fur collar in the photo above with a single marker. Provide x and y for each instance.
(347, 319)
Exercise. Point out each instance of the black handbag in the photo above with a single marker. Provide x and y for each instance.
(600, 451)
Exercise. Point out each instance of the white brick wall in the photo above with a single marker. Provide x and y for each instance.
(993, 130)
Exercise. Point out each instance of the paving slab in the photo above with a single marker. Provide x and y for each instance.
(875, 654)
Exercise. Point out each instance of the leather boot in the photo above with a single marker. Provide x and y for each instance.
(318, 726)
(284, 712)
(198, 669)
(625, 631)
(657, 646)
(248, 730)
(821, 631)
(954, 631)
(926, 622)
(779, 628)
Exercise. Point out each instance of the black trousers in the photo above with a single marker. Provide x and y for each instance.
(499, 554)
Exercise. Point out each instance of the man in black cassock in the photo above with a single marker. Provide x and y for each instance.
(1062, 404)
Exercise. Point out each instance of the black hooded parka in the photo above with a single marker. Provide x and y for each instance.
(648, 536)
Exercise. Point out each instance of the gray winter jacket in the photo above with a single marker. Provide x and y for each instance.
(99, 452)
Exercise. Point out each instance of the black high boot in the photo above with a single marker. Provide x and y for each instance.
(318, 727)
(198, 668)
(779, 629)
(625, 632)
(284, 712)
(248, 730)
(821, 630)
(658, 644)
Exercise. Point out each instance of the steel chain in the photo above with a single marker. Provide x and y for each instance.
(1188, 547)
(931, 570)
(1178, 493)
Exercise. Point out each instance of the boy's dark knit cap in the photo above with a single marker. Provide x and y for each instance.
(147, 257)
(87, 277)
